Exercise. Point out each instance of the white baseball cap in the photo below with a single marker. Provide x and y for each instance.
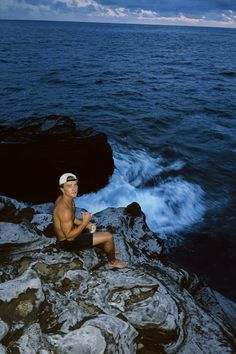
(67, 177)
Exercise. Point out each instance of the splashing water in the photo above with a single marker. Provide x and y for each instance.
(170, 205)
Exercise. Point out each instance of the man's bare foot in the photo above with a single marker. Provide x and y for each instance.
(117, 264)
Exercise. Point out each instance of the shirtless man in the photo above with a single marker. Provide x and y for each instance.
(74, 234)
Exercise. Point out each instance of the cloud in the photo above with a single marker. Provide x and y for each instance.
(95, 8)
(79, 3)
(183, 12)
(119, 12)
(23, 7)
(229, 16)
(173, 6)
(145, 14)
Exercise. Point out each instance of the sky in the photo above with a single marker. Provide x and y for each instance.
(212, 13)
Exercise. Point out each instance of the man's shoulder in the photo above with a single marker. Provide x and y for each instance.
(57, 201)
(61, 207)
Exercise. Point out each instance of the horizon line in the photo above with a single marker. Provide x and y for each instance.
(121, 23)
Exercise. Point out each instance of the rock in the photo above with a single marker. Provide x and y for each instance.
(10, 213)
(26, 214)
(87, 339)
(14, 211)
(4, 328)
(133, 239)
(16, 234)
(44, 223)
(70, 302)
(55, 271)
(20, 298)
(217, 305)
(133, 209)
(97, 336)
(52, 144)
(18, 239)
(30, 342)
(149, 305)
(3, 350)
(49, 230)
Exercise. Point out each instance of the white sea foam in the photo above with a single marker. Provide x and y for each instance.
(170, 204)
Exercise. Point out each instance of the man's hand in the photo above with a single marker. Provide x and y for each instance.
(86, 217)
(91, 224)
(91, 227)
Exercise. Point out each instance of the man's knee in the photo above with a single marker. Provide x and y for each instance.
(109, 236)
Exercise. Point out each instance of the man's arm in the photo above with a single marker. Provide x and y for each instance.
(77, 221)
(68, 226)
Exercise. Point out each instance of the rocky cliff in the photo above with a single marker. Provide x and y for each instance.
(37, 151)
(58, 302)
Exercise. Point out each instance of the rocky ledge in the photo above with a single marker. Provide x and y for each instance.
(58, 302)
(37, 151)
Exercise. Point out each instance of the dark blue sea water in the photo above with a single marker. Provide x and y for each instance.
(166, 98)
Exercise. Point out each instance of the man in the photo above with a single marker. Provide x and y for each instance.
(73, 233)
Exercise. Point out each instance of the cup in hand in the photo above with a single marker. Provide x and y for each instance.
(92, 229)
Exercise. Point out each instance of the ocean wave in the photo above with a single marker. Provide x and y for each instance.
(170, 204)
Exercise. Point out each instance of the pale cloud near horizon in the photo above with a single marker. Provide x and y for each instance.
(210, 13)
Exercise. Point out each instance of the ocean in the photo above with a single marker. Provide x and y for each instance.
(166, 98)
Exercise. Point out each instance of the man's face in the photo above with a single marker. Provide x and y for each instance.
(70, 189)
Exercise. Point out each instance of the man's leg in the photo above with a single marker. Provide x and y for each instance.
(106, 242)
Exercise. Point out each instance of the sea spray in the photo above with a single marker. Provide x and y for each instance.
(171, 204)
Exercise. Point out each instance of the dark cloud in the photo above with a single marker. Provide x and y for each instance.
(175, 6)
(34, 2)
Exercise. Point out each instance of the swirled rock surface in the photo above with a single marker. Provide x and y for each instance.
(53, 301)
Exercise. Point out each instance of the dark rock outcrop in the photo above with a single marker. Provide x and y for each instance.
(62, 302)
(34, 154)
(133, 209)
